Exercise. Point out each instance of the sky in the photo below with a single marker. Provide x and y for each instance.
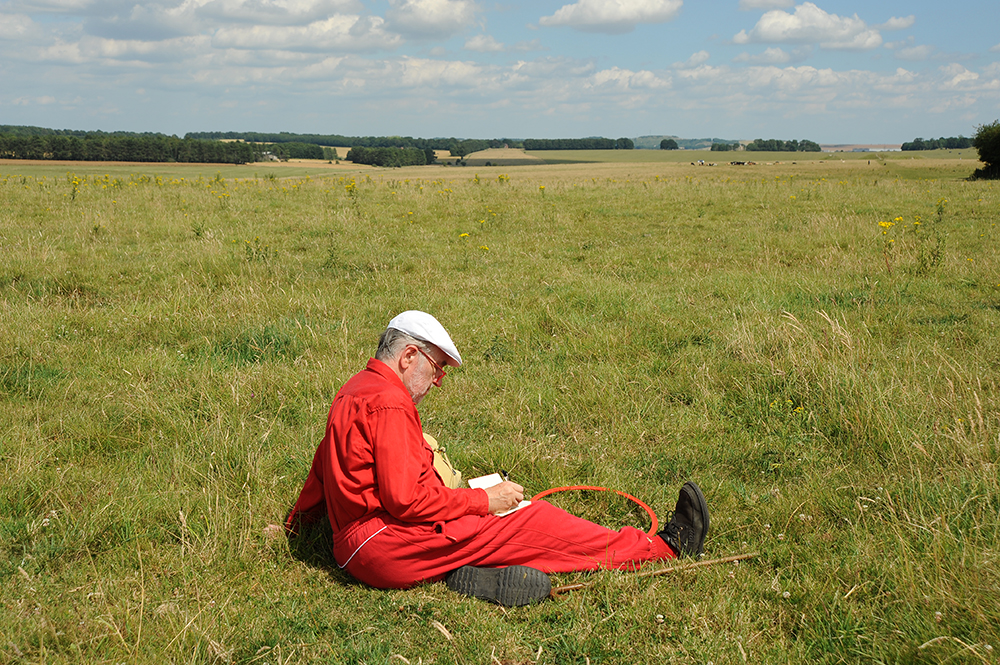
(831, 71)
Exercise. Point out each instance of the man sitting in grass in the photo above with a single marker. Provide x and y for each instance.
(395, 521)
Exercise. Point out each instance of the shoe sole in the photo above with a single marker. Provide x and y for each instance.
(703, 509)
(512, 586)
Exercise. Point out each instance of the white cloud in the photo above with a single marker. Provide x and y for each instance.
(612, 16)
(696, 59)
(340, 33)
(484, 44)
(79, 7)
(487, 44)
(750, 5)
(33, 101)
(554, 68)
(624, 79)
(146, 21)
(704, 74)
(904, 76)
(772, 55)
(324, 70)
(953, 104)
(525, 46)
(896, 23)
(811, 25)
(789, 92)
(136, 52)
(277, 12)
(995, 49)
(916, 53)
(60, 52)
(16, 26)
(864, 41)
(907, 49)
(430, 19)
(548, 73)
(417, 72)
(958, 75)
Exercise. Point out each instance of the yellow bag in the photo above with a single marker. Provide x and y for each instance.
(451, 476)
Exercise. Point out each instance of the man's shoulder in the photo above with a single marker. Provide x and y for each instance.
(376, 390)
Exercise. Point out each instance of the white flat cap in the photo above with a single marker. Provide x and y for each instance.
(423, 326)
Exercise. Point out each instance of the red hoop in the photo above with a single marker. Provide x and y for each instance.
(652, 516)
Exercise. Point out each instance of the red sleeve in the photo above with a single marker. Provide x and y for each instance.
(408, 487)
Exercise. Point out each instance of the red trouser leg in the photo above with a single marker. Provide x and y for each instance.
(541, 536)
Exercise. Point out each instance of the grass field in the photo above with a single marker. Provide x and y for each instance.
(687, 156)
(815, 343)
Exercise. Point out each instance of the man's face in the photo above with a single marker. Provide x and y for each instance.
(421, 374)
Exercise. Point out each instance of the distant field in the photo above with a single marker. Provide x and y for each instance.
(670, 156)
(944, 163)
(832, 166)
(502, 157)
(294, 168)
(623, 156)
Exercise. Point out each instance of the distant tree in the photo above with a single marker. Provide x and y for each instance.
(294, 150)
(951, 143)
(987, 142)
(592, 143)
(122, 146)
(468, 146)
(624, 144)
(668, 144)
(725, 147)
(777, 145)
(386, 156)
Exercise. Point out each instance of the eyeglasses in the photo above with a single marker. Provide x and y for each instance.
(437, 368)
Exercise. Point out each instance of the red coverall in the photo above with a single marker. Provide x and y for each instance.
(396, 524)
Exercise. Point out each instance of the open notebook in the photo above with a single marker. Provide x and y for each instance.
(483, 482)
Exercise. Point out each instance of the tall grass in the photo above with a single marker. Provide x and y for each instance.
(172, 345)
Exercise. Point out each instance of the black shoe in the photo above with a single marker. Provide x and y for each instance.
(687, 528)
(510, 586)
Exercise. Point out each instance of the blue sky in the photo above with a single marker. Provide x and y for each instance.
(832, 71)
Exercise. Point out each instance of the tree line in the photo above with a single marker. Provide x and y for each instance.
(457, 147)
(390, 156)
(29, 130)
(131, 147)
(592, 143)
(103, 147)
(952, 143)
(295, 150)
(777, 145)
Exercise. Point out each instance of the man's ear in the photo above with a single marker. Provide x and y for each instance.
(407, 357)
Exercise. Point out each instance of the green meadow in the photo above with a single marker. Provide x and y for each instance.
(687, 156)
(815, 343)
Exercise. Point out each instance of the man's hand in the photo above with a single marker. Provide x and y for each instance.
(504, 496)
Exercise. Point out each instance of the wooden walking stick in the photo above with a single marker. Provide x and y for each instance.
(556, 592)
